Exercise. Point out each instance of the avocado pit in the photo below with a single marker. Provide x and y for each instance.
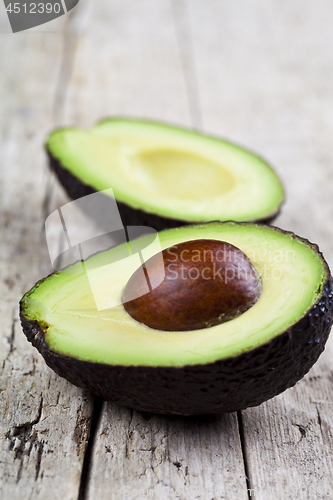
(206, 282)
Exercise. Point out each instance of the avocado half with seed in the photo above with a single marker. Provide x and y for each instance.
(252, 355)
(164, 176)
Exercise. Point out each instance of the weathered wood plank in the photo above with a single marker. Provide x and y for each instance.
(141, 71)
(127, 64)
(266, 84)
(140, 455)
(45, 421)
(289, 439)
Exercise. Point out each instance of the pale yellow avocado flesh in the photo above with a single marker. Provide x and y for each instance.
(292, 275)
(169, 171)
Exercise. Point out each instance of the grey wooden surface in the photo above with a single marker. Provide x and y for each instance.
(259, 73)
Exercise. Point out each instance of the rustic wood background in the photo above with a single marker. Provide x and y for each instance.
(257, 72)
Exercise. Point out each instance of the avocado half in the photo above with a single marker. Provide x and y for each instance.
(164, 176)
(231, 366)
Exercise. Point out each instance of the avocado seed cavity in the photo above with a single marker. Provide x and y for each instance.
(206, 282)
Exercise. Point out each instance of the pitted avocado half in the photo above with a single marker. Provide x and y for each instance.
(164, 176)
(223, 368)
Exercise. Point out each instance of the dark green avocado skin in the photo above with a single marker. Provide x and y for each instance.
(227, 385)
(129, 216)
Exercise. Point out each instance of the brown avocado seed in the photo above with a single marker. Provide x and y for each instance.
(206, 282)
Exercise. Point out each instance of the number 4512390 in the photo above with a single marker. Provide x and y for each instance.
(33, 8)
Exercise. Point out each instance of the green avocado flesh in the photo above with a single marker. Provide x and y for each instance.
(292, 274)
(168, 171)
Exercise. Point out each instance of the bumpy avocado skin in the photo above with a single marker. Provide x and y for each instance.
(224, 386)
(129, 216)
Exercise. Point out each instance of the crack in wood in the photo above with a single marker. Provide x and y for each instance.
(31, 372)
(23, 438)
(129, 436)
(319, 420)
(87, 460)
(47, 199)
(70, 42)
(39, 459)
(30, 423)
(302, 430)
(182, 25)
(244, 454)
(81, 431)
(11, 338)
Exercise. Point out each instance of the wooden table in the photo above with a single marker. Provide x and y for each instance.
(259, 73)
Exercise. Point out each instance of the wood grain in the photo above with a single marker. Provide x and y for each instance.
(45, 421)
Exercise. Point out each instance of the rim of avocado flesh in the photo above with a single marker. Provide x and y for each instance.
(167, 171)
(292, 270)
